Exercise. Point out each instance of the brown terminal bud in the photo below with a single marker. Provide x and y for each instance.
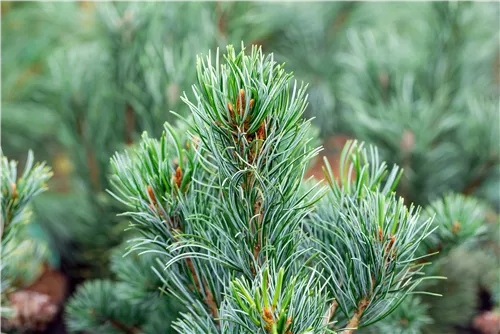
(178, 177)
(267, 315)
(14, 191)
(231, 110)
(240, 102)
(151, 195)
(456, 227)
(393, 240)
(261, 132)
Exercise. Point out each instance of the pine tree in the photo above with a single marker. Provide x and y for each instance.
(239, 240)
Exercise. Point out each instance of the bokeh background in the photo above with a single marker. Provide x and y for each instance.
(81, 80)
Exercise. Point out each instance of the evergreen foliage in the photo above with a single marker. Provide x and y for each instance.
(221, 206)
(22, 258)
(411, 100)
(131, 302)
(113, 72)
(459, 219)
(225, 235)
(370, 238)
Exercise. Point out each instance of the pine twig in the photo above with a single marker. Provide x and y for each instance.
(353, 323)
(258, 246)
(209, 299)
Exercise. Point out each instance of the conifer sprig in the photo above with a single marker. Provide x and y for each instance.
(369, 238)
(155, 182)
(460, 220)
(240, 204)
(17, 191)
(244, 246)
(259, 146)
(275, 304)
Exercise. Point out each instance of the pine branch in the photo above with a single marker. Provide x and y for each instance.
(176, 230)
(17, 191)
(369, 238)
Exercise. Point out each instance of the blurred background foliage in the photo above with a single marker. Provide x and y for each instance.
(81, 80)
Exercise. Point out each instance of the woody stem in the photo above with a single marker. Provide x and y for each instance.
(353, 323)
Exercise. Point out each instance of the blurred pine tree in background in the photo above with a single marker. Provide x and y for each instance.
(82, 80)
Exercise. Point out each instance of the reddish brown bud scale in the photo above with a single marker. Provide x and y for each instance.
(287, 325)
(267, 315)
(151, 195)
(240, 102)
(389, 249)
(380, 234)
(391, 243)
(14, 190)
(383, 78)
(456, 227)
(231, 110)
(178, 177)
(261, 131)
(393, 240)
